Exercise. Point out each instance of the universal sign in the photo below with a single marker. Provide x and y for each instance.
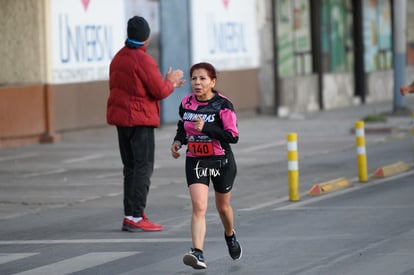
(85, 35)
(224, 33)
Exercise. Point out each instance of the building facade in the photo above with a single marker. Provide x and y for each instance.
(273, 56)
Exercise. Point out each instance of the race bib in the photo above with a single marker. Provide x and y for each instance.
(200, 146)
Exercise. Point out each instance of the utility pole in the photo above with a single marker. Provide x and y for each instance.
(399, 56)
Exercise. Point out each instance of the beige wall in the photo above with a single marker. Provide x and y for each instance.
(22, 43)
(241, 87)
(25, 109)
(80, 105)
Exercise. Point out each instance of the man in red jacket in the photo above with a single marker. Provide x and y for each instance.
(136, 88)
(408, 89)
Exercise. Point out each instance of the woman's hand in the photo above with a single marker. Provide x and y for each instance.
(198, 124)
(174, 149)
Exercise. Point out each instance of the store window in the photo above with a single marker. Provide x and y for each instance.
(377, 35)
(293, 39)
(337, 36)
(410, 32)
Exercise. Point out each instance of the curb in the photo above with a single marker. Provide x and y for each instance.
(329, 186)
(390, 170)
(376, 130)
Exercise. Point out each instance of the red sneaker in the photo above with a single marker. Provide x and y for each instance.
(145, 225)
(144, 216)
(126, 224)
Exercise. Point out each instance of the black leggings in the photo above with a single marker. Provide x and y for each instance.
(222, 177)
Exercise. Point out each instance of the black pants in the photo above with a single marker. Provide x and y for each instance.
(137, 146)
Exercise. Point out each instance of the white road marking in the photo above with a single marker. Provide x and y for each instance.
(82, 159)
(92, 241)
(44, 173)
(114, 194)
(119, 174)
(23, 156)
(110, 175)
(5, 258)
(79, 263)
(265, 204)
(261, 146)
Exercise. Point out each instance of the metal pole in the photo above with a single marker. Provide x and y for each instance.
(276, 101)
(317, 47)
(359, 64)
(399, 41)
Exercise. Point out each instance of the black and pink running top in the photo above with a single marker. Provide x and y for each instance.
(220, 126)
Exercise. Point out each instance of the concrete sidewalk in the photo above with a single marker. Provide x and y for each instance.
(86, 165)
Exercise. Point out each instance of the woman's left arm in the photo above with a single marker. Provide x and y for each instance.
(229, 132)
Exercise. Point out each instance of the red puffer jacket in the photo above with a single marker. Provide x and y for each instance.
(136, 88)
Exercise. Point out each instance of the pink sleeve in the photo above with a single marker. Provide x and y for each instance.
(229, 119)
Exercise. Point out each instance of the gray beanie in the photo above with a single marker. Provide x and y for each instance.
(138, 29)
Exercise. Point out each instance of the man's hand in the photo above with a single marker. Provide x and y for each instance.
(404, 90)
(176, 77)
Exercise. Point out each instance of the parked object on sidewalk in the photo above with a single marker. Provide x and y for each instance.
(207, 125)
(136, 88)
(391, 169)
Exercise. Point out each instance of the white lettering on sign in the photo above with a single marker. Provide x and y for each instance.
(85, 36)
(84, 43)
(227, 37)
(225, 34)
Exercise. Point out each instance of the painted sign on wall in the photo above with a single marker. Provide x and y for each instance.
(336, 36)
(377, 35)
(85, 35)
(224, 33)
(410, 33)
(293, 39)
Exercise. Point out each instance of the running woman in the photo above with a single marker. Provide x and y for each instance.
(207, 125)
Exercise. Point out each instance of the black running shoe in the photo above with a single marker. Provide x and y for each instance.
(195, 259)
(234, 247)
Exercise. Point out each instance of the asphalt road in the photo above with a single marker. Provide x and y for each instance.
(367, 229)
(61, 205)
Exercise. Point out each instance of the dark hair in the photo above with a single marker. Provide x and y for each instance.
(211, 71)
